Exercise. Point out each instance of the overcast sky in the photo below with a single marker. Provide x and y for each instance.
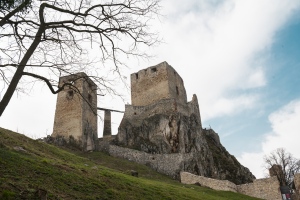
(240, 57)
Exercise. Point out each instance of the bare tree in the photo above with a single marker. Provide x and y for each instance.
(46, 39)
(282, 165)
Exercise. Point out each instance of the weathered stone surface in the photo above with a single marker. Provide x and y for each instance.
(155, 136)
(161, 122)
(223, 185)
(297, 187)
(227, 166)
(156, 83)
(107, 123)
(267, 188)
(76, 111)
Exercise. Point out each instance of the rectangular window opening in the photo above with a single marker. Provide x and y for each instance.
(177, 90)
(153, 69)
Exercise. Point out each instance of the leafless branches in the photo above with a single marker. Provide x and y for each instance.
(51, 39)
(282, 165)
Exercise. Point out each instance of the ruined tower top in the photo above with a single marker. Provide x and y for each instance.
(155, 83)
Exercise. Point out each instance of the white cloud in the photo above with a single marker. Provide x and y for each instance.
(214, 45)
(227, 106)
(285, 133)
(285, 125)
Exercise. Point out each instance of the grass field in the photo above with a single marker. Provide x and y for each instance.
(30, 168)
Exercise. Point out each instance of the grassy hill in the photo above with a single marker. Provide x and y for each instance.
(30, 168)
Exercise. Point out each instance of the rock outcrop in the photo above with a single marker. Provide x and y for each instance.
(179, 134)
(161, 121)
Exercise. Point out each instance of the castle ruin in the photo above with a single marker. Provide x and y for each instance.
(76, 111)
(160, 129)
(159, 91)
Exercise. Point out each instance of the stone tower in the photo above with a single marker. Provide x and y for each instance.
(167, 130)
(158, 119)
(76, 111)
(155, 83)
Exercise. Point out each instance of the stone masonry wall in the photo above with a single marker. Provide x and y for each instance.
(169, 164)
(76, 111)
(297, 181)
(224, 185)
(155, 83)
(267, 188)
(163, 106)
(176, 85)
(68, 112)
(297, 186)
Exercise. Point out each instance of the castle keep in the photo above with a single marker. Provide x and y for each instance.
(76, 111)
(155, 83)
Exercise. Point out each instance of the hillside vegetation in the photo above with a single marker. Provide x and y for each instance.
(29, 169)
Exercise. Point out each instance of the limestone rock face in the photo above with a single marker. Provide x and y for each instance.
(161, 133)
(179, 134)
(227, 166)
(161, 122)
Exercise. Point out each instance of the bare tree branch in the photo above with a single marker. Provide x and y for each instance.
(54, 34)
(283, 165)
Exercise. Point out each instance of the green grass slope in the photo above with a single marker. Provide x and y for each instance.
(29, 168)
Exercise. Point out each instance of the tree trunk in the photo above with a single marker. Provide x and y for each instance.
(19, 72)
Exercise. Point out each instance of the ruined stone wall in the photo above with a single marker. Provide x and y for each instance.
(176, 85)
(76, 111)
(156, 83)
(163, 127)
(297, 187)
(68, 113)
(169, 164)
(163, 106)
(267, 188)
(297, 181)
(141, 112)
(89, 124)
(224, 185)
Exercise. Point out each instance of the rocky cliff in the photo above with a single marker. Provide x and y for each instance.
(167, 129)
(227, 166)
(175, 133)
